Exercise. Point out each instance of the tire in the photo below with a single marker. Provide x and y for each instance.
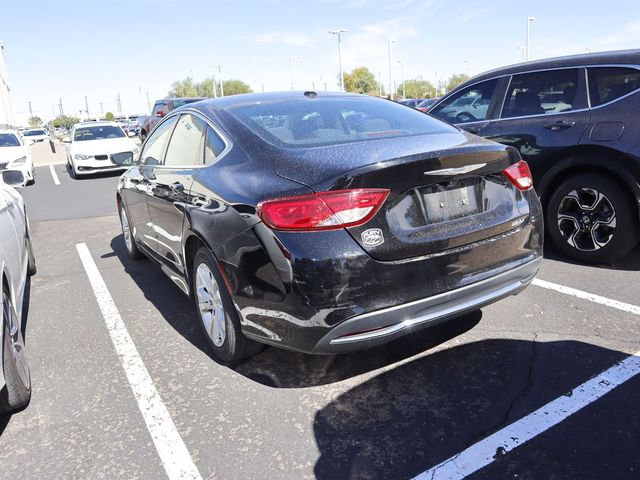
(143, 136)
(31, 264)
(129, 241)
(226, 340)
(72, 171)
(17, 391)
(591, 218)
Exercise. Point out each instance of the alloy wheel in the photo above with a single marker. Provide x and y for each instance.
(586, 219)
(210, 305)
(16, 343)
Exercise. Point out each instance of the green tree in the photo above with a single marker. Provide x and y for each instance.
(35, 121)
(361, 80)
(183, 88)
(417, 88)
(234, 87)
(205, 87)
(109, 116)
(456, 80)
(65, 122)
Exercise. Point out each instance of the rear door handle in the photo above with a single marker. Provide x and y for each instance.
(559, 125)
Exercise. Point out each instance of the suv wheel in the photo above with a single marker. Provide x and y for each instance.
(17, 391)
(591, 219)
(129, 241)
(217, 313)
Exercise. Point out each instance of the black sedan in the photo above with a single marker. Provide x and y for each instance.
(326, 223)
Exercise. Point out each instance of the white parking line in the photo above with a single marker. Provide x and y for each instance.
(173, 453)
(488, 450)
(54, 175)
(625, 307)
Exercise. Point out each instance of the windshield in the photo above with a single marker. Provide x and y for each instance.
(97, 133)
(330, 121)
(9, 140)
(33, 133)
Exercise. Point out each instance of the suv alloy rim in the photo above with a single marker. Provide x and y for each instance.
(16, 343)
(586, 219)
(210, 305)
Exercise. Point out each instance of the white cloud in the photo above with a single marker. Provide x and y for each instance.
(284, 38)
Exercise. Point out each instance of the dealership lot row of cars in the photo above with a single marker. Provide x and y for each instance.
(332, 223)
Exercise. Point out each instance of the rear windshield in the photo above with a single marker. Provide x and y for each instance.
(97, 133)
(183, 101)
(33, 133)
(9, 140)
(331, 121)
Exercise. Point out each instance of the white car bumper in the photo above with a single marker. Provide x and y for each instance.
(91, 166)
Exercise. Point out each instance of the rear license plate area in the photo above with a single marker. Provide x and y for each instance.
(450, 201)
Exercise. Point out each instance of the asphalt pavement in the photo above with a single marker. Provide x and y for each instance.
(433, 398)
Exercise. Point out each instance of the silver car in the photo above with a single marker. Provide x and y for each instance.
(16, 264)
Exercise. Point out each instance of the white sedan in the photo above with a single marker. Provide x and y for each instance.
(36, 135)
(16, 264)
(15, 155)
(99, 147)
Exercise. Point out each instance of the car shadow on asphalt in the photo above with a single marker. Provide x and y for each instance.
(406, 420)
(630, 262)
(276, 367)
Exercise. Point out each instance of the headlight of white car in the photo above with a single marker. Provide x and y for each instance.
(19, 161)
(81, 156)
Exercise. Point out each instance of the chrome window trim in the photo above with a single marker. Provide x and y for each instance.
(227, 142)
(586, 70)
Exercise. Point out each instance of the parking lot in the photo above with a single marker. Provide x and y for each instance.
(430, 405)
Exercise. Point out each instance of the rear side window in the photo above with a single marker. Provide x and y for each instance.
(331, 121)
(541, 93)
(214, 146)
(468, 105)
(187, 142)
(609, 83)
(154, 146)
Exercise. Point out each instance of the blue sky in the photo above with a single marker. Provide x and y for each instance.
(72, 48)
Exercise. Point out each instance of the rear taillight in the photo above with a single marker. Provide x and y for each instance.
(324, 210)
(520, 175)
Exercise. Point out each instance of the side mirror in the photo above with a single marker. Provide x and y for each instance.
(160, 114)
(14, 178)
(28, 142)
(124, 159)
(66, 139)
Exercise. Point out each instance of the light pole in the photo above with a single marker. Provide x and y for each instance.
(390, 72)
(219, 67)
(30, 113)
(61, 109)
(338, 32)
(102, 109)
(440, 82)
(291, 59)
(524, 51)
(86, 104)
(402, 62)
(530, 20)
(380, 82)
(468, 67)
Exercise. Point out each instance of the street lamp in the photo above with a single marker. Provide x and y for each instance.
(468, 67)
(440, 82)
(524, 52)
(338, 32)
(291, 59)
(530, 20)
(402, 62)
(390, 72)
(219, 67)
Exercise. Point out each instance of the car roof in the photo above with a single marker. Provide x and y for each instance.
(9, 130)
(617, 57)
(96, 124)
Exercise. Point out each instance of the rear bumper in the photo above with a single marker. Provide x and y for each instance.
(382, 326)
